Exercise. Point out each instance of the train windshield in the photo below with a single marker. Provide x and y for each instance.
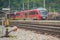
(43, 12)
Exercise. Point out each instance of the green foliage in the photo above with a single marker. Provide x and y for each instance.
(18, 4)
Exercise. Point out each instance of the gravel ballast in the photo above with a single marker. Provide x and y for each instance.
(22, 34)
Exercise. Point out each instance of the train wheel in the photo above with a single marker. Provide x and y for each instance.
(24, 19)
(34, 19)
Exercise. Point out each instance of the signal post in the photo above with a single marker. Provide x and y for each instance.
(6, 24)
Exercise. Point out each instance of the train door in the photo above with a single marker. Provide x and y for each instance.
(26, 15)
(33, 15)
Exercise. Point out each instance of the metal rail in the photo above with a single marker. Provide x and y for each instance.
(39, 22)
(36, 27)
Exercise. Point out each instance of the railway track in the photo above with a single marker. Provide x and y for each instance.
(39, 22)
(39, 27)
(51, 30)
(36, 26)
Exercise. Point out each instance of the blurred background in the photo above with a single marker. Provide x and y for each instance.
(52, 6)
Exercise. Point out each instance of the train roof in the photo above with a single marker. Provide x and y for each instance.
(34, 9)
(40, 9)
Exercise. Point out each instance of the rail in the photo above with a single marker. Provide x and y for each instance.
(40, 22)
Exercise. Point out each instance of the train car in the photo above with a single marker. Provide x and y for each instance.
(19, 15)
(36, 14)
(33, 14)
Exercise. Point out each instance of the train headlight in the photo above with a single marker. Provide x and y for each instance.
(44, 17)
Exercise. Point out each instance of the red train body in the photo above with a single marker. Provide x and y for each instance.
(35, 14)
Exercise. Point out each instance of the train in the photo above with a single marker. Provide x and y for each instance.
(32, 14)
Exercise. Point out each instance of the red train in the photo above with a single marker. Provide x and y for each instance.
(35, 14)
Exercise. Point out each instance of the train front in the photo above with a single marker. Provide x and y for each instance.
(43, 13)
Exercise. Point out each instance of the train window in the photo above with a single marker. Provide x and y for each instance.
(25, 13)
(32, 13)
(17, 14)
(43, 12)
